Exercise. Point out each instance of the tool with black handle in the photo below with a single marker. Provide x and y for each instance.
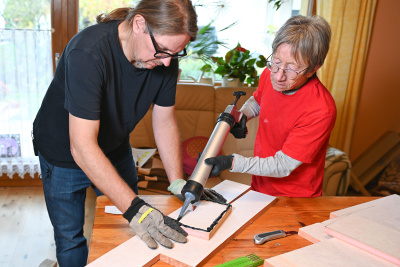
(195, 185)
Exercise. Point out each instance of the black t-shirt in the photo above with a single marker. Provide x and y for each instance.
(95, 81)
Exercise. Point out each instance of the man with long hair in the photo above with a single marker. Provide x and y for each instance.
(107, 78)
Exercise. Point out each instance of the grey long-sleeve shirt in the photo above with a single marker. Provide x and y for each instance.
(280, 165)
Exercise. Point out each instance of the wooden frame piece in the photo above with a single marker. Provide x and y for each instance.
(210, 213)
(231, 191)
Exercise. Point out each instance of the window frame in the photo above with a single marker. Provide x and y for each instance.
(64, 25)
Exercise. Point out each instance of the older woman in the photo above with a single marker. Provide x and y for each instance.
(296, 115)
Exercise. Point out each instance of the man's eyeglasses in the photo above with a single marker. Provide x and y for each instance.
(163, 54)
(289, 73)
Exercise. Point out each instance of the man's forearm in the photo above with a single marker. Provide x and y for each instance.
(91, 159)
(167, 138)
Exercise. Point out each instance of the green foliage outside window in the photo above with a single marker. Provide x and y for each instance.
(89, 9)
(22, 14)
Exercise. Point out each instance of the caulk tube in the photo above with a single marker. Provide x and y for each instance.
(195, 184)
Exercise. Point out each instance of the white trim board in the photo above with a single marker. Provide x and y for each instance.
(315, 232)
(375, 230)
(362, 223)
(330, 253)
(135, 253)
(380, 203)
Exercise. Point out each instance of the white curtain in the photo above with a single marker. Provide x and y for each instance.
(25, 74)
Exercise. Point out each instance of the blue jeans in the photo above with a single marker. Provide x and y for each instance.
(65, 193)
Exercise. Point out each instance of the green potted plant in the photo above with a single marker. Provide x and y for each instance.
(203, 47)
(238, 64)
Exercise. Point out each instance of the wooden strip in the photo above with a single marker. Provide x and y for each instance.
(135, 253)
(17, 181)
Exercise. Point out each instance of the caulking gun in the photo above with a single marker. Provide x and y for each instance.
(195, 185)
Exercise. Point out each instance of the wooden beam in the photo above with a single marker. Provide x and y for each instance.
(16, 180)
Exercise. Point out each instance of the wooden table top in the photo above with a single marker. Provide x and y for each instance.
(288, 214)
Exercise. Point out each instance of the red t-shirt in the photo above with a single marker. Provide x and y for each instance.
(300, 126)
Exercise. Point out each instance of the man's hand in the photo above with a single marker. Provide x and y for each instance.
(208, 194)
(176, 188)
(148, 223)
(239, 129)
(219, 164)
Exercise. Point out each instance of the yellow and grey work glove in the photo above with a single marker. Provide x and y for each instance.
(151, 225)
(208, 193)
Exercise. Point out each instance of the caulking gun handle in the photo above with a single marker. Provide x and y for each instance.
(238, 94)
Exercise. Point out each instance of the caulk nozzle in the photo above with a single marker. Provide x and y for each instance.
(189, 197)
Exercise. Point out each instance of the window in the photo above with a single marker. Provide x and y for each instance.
(89, 9)
(25, 73)
(255, 35)
(256, 21)
(33, 32)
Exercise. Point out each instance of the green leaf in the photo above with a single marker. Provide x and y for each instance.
(242, 77)
(251, 62)
(221, 71)
(206, 67)
(229, 26)
(249, 80)
(228, 56)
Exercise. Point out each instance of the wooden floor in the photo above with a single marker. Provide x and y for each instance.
(26, 234)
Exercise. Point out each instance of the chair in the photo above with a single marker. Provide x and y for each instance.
(337, 173)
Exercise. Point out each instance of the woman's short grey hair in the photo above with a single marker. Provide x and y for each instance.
(308, 37)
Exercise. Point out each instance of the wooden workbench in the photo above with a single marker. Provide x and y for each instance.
(288, 214)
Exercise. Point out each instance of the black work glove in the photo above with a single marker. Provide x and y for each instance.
(150, 225)
(239, 129)
(219, 163)
(207, 194)
(174, 224)
(211, 194)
